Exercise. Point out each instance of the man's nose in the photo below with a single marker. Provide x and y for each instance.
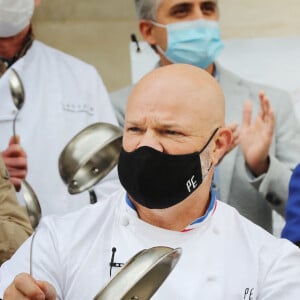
(198, 14)
(151, 139)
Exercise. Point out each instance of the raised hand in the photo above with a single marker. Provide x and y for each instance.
(15, 160)
(256, 136)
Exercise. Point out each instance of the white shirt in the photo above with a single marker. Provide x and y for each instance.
(224, 257)
(63, 95)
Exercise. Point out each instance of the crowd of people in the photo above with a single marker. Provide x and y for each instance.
(200, 168)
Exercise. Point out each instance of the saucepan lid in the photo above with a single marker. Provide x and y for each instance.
(142, 275)
(89, 156)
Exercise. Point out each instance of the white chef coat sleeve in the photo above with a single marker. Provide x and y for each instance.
(46, 264)
(282, 279)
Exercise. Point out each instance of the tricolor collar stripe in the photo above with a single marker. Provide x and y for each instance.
(211, 209)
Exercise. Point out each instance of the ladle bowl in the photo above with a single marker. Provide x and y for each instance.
(142, 275)
(89, 156)
(32, 203)
(18, 94)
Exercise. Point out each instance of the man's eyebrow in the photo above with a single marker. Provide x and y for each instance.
(188, 4)
(181, 5)
(169, 125)
(133, 123)
(212, 2)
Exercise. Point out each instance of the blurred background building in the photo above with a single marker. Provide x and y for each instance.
(98, 31)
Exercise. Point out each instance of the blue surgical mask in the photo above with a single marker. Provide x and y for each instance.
(197, 42)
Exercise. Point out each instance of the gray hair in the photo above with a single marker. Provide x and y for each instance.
(146, 9)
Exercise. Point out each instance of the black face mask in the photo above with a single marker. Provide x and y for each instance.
(158, 180)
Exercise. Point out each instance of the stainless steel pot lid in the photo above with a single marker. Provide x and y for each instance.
(89, 156)
(142, 275)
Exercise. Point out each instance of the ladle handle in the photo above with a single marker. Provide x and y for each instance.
(31, 254)
(93, 197)
(14, 127)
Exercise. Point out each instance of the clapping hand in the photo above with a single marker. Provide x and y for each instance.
(255, 136)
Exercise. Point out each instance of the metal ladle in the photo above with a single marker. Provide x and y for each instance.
(89, 156)
(142, 275)
(32, 204)
(31, 201)
(17, 93)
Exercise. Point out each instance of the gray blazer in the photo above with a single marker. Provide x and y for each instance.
(253, 197)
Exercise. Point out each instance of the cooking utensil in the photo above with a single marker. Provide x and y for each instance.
(31, 254)
(18, 94)
(142, 275)
(89, 156)
(34, 212)
(31, 200)
(32, 203)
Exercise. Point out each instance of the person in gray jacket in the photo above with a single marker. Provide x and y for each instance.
(251, 177)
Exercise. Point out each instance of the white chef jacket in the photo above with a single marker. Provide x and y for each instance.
(224, 257)
(63, 95)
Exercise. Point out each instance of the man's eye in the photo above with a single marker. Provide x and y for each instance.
(133, 129)
(208, 8)
(171, 132)
(180, 11)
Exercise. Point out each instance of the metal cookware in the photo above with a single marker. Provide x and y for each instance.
(32, 204)
(31, 201)
(142, 275)
(18, 94)
(89, 156)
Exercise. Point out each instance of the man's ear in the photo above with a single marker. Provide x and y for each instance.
(222, 144)
(146, 28)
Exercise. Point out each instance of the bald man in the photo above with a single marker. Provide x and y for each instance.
(166, 165)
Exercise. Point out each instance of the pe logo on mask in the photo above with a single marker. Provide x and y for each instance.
(191, 184)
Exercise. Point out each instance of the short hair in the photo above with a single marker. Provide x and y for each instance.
(146, 9)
